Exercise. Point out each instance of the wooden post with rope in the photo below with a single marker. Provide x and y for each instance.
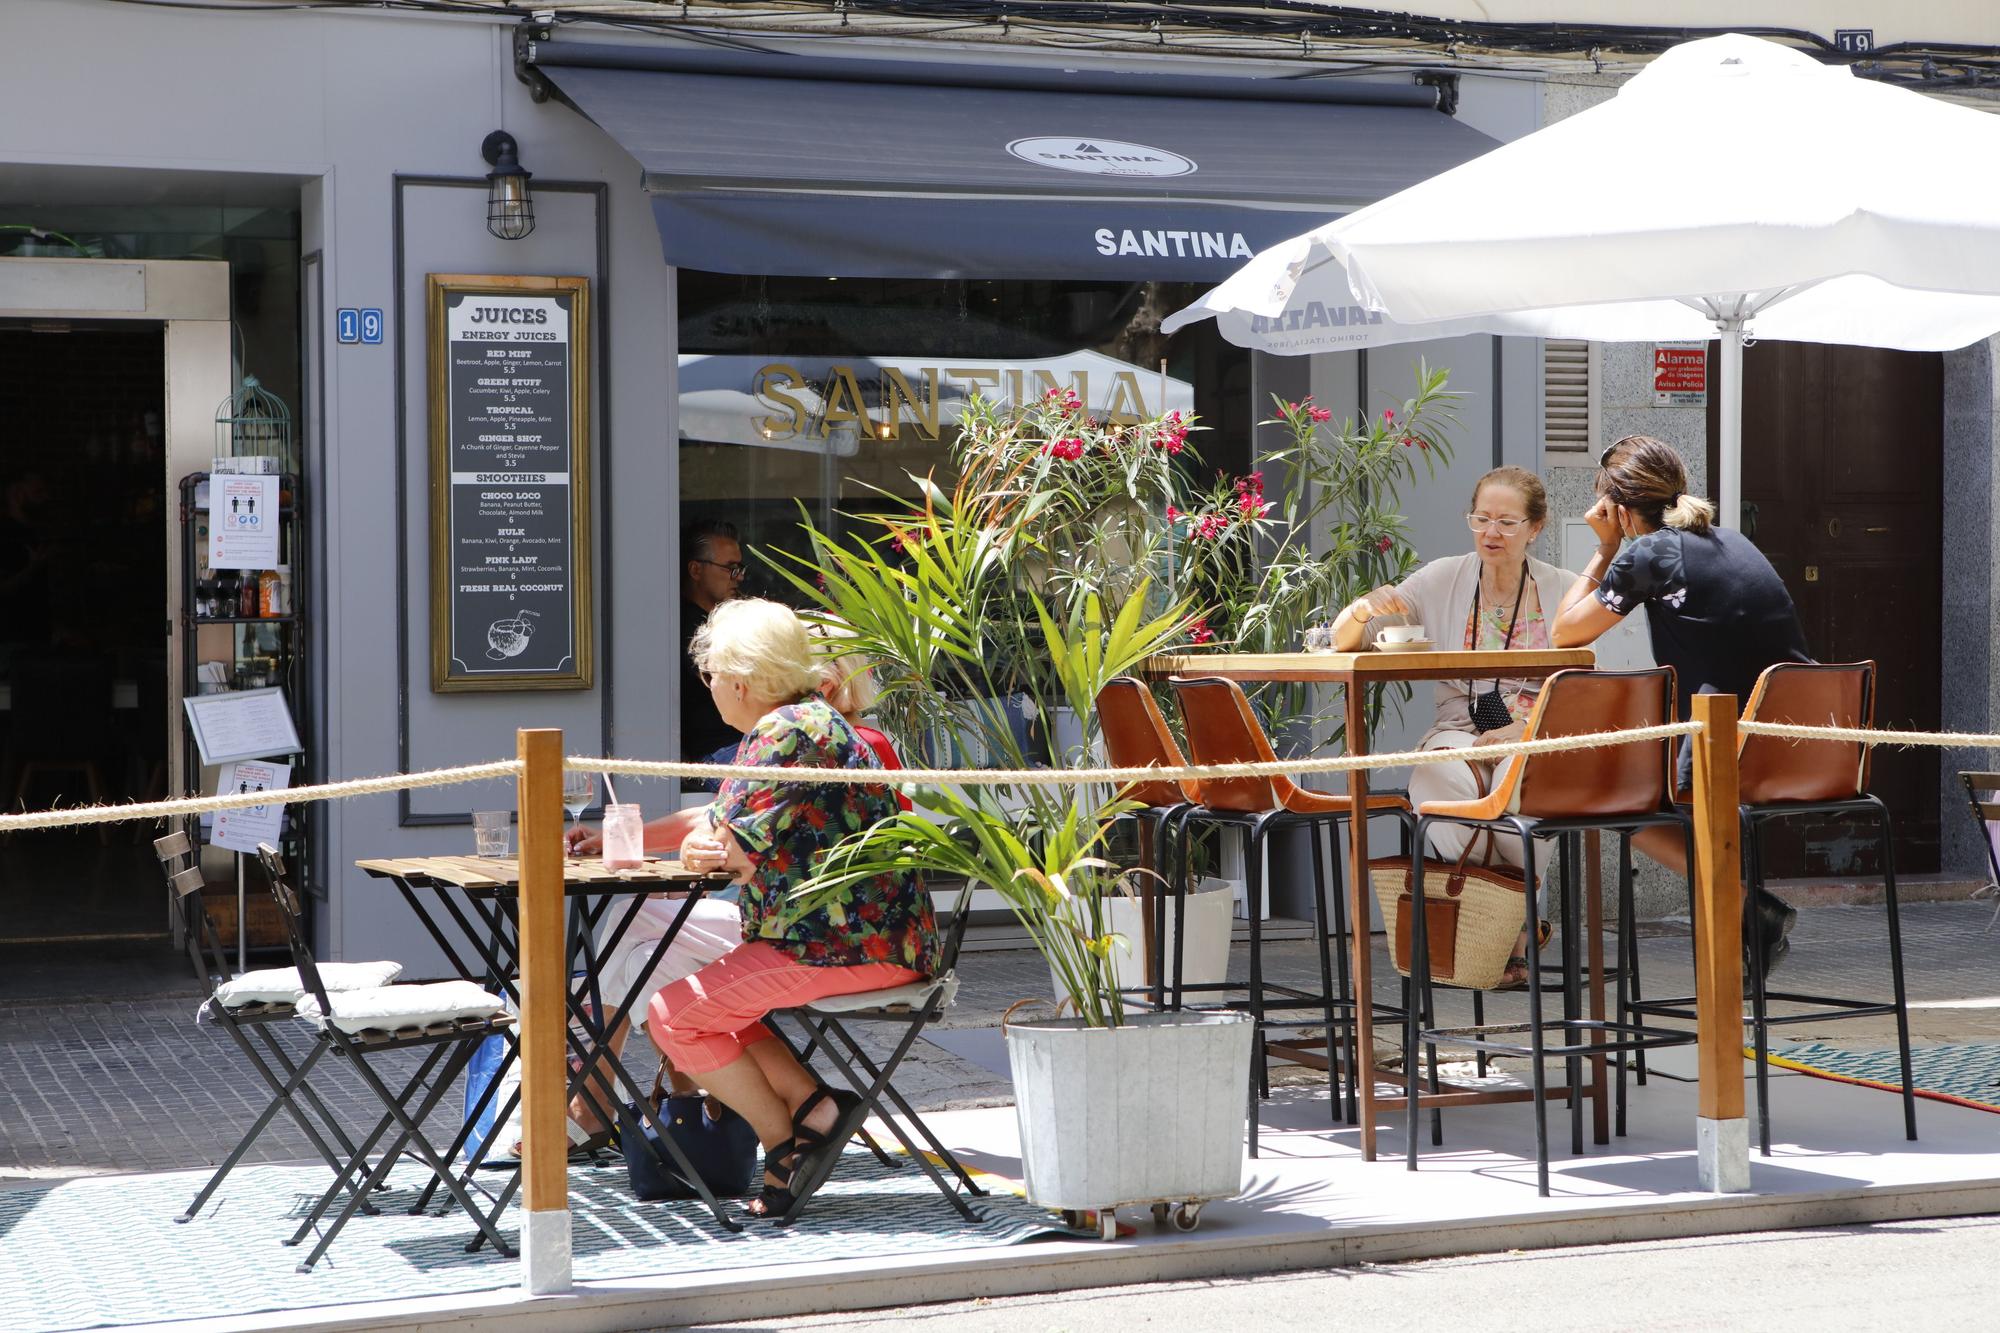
(1722, 1133)
(545, 1223)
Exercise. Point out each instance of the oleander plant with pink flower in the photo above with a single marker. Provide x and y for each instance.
(1065, 552)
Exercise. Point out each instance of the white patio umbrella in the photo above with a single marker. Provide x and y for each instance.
(1733, 186)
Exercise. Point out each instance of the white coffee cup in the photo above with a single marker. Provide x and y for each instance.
(1401, 633)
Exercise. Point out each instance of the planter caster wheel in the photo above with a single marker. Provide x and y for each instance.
(1107, 1224)
(1187, 1217)
(1161, 1211)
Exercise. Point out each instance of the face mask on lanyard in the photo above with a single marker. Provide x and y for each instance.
(1489, 710)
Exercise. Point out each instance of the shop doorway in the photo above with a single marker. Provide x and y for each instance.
(1842, 489)
(84, 515)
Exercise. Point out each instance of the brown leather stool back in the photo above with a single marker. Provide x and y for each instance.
(1775, 770)
(1136, 736)
(1627, 779)
(1222, 729)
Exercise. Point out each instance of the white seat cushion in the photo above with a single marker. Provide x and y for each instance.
(913, 996)
(281, 985)
(386, 1008)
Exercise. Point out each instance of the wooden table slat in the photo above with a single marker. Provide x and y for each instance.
(476, 872)
(1371, 666)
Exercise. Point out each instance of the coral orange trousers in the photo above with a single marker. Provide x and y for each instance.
(710, 1019)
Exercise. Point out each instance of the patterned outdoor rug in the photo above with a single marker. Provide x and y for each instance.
(1968, 1074)
(106, 1250)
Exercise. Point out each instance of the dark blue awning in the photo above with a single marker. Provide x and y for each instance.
(829, 176)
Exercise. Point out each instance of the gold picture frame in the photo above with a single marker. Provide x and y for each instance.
(510, 636)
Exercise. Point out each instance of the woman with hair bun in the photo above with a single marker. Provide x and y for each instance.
(1719, 614)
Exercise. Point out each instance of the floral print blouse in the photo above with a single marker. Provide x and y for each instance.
(785, 827)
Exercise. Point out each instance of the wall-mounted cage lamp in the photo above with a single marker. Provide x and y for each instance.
(510, 211)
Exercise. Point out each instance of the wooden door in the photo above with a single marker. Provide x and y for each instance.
(1842, 466)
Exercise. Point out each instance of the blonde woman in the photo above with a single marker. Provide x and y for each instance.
(757, 662)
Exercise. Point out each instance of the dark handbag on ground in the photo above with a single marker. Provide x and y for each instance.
(1770, 912)
(720, 1144)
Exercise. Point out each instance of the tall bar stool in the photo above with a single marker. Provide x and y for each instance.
(1786, 779)
(1136, 735)
(1618, 788)
(1222, 729)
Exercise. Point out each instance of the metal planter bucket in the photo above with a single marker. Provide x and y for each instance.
(1152, 1112)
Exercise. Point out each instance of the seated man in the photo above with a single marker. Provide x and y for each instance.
(711, 574)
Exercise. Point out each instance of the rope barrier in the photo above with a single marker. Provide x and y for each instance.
(1030, 777)
(1037, 777)
(195, 805)
(1079, 777)
(1946, 740)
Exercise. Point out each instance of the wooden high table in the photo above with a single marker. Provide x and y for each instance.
(1354, 673)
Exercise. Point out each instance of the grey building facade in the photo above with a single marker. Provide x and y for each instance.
(366, 127)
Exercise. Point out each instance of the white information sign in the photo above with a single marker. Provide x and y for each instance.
(242, 522)
(242, 724)
(241, 830)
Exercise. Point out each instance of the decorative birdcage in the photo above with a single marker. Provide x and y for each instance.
(253, 422)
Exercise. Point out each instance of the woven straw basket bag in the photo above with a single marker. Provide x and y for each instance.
(1472, 916)
(1473, 913)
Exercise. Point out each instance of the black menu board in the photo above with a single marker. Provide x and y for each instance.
(510, 569)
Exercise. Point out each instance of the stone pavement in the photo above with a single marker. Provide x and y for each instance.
(132, 1084)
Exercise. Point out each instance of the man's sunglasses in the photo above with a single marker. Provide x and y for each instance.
(737, 569)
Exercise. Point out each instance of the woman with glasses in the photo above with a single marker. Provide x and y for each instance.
(1496, 597)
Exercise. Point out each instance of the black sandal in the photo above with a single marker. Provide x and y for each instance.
(777, 1200)
(848, 1107)
(813, 1155)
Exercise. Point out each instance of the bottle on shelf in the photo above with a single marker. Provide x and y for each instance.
(271, 590)
(246, 595)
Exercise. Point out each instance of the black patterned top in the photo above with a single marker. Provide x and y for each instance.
(1719, 614)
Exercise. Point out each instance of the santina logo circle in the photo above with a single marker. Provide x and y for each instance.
(1101, 157)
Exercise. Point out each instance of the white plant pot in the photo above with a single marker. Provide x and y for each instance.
(1066, 731)
(1205, 960)
(1152, 1112)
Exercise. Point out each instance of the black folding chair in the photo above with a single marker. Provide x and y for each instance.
(286, 1078)
(450, 1038)
(915, 1007)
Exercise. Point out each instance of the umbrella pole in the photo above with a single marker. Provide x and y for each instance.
(1729, 457)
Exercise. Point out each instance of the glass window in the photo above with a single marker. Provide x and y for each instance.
(831, 392)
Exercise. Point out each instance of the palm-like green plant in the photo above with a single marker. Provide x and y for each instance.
(939, 614)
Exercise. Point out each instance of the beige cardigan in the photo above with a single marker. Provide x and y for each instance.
(1441, 595)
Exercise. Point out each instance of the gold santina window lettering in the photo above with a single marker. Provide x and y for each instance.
(875, 397)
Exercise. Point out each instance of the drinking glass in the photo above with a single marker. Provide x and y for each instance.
(1319, 638)
(579, 790)
(624, 837)
(490, 831)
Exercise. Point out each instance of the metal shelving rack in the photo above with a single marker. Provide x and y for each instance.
(278, 640)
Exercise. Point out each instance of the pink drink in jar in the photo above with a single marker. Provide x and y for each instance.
(624, 838)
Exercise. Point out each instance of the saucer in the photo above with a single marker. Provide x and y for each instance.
(1407, 646)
